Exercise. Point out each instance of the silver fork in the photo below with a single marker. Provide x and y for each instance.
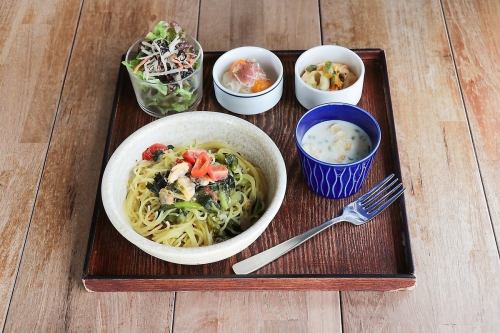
(358, 212)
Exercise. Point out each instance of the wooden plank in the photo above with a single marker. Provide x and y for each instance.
(35, 44)
(49, 296)
(276, 25)
(313, 311)
(454, 249)
(476, 48)
(225, 25)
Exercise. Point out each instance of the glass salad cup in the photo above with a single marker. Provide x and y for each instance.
(162, 99)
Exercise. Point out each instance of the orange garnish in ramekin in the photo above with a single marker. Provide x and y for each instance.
(260, 85)
(235, 66)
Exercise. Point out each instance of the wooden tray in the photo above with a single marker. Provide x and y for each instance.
(374, 256)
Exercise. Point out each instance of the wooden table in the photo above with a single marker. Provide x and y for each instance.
(58, 68)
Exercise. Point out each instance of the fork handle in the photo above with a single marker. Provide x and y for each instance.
(259, 260)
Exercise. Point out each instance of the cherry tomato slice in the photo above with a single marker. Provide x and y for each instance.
(191, 155)
(201, 165)
(217, 172)
(149, 152)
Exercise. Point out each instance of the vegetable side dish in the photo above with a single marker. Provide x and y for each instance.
(337, 141)
(245, 76)
(164, 70)
(328, 76)
(193, 196)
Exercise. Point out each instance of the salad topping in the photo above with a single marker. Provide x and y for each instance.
(165, 54)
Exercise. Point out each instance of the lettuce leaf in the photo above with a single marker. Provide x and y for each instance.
(131, 63)
(184, 93)
(161, 31)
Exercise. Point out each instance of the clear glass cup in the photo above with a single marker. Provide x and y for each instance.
(161, 99)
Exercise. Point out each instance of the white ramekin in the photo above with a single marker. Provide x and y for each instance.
(310, 97)
(249, 103)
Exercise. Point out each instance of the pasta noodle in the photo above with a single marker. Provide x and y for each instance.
(189, 210)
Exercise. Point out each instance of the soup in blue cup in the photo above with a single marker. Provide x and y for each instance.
(337, 143)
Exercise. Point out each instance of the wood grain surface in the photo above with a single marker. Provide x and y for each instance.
(35, 45)
(476, 48)
(377, 248)
(455, 254)
(313, 311)
(57, 237)
(452, 238)
(276, 25)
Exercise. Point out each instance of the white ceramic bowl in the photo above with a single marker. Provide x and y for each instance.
(249, 103)
(310, 97)
(186, 128)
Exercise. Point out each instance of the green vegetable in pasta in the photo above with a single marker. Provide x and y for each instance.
(158, 183)
(223, 200)
(182, 205)
(157, 154)
(231, 161)
(223, 185)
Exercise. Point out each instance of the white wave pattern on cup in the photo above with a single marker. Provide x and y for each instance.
(336, 186)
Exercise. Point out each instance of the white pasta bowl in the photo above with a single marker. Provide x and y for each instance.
(253, 103)
(310, 97)
(186, 128)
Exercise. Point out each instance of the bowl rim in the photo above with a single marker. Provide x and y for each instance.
(357, 108)
(329, 92)
(275, 84)
(144, 244)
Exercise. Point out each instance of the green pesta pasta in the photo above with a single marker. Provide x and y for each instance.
(170, 200)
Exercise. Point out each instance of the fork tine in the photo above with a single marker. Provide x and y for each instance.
(375, 188)
(380, 191)
(386, 204)
(380, 200)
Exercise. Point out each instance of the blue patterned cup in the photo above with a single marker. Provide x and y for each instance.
(336, 181)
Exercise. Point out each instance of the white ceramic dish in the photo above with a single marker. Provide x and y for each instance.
(249, 103)
(185, 128)
(310, 97)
